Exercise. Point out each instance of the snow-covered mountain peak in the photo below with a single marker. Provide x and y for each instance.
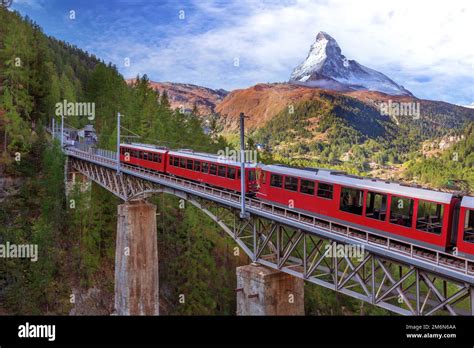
(318, 53)
(326, 67)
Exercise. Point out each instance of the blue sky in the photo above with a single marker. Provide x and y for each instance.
(424, 45)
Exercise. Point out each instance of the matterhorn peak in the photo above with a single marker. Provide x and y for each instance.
(322, 35)
(323, 46)
(326, 67)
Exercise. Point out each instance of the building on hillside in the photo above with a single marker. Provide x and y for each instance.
(88, 134)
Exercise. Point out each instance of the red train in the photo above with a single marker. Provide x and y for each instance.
(438, 220)
(202, 167)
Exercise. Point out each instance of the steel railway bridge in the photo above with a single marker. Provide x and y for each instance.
(392, 274)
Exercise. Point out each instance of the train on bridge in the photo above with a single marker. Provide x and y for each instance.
(429, 218)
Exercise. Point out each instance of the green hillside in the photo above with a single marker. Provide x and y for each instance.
(345, 133)
(451, 165)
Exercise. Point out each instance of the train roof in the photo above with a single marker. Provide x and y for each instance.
(210, 157)
(467, 202)
(338, 177)
(146, 147)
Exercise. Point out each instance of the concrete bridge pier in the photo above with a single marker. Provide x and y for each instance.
(136, 260)
(265, 291)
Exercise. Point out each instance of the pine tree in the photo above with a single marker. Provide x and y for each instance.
(164, 101)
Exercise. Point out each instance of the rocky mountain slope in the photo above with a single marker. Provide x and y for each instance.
(263, 102)
(260, 103)
(184, 96)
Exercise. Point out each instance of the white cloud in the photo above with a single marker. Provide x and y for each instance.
(470, 106)
(426, 46)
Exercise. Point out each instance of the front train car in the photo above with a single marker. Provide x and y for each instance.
(144, 155)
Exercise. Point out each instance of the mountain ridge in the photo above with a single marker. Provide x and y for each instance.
(186, 95)
(262, 102)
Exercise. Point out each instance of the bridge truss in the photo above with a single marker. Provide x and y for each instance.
(391, 274)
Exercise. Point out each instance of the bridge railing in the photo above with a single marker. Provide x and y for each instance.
(107, 153)
(409, 250)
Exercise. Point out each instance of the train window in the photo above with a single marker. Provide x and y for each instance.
(351, 200)
(157, 158)
(401, 211)
(469, 226)
(221, 171)
(145, 156)
(238, 173)
(325, 190)
(205, 167)
(231, 172)
(376, 206)
(171, 161)
(291, 183)
(276, 180)
(176, 161)
(197, 166)
(140, 154)
(212, 169)
(252, 175)
(307, 186)
(182, 163)
(429, 217)
(264, 177)
(189, 164)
